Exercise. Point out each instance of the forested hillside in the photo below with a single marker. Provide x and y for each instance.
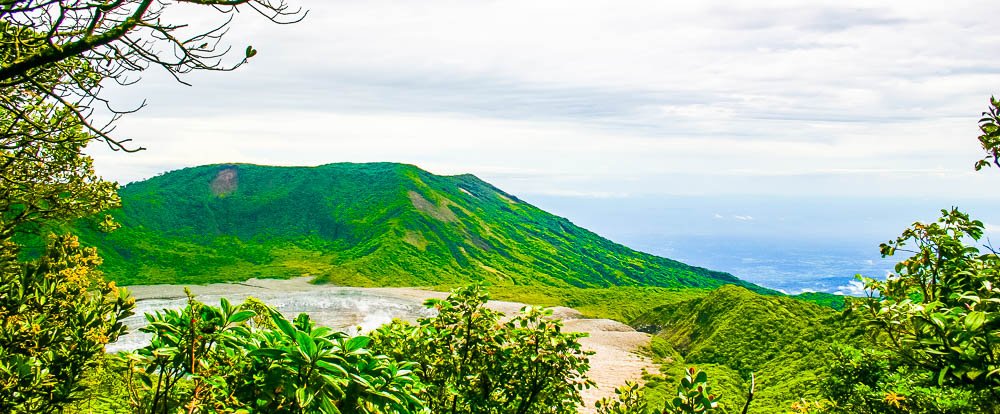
(732, 332)
(361, 224)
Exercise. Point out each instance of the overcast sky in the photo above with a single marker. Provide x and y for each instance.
(598, 98)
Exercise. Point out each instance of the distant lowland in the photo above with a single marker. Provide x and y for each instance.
(789, 243)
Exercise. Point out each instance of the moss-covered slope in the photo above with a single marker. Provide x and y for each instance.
(732, 332)
(363, 224)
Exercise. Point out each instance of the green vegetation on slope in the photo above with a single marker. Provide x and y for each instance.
(732, 332)
(361, 224)
(829, 300)
(621, 303)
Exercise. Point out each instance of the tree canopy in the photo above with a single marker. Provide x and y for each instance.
(56, 56)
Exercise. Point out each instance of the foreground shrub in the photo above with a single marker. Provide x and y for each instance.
(939, 316)
(693, 396)
(209, 359)
(473, 362)
(56, 315)
(870, 381)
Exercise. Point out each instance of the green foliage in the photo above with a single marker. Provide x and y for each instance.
(209, 359)
(934, 324)
(44, 175)
(621, 303)
(362, 224)
(940, 314)
(106, 390)
(56, 311)
(989, 125)
(628, 400)
(869, 381)
(727, 383)
(56, 315)
(472, 362)
(693, 396)
(48, 181)
(262, 313)
(836, 302)
(732, 332)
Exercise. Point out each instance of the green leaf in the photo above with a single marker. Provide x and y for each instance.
(306, 344)
(701, 377)
(333, 368)
(356, 343)
(303, 397)
(973, 374)
(271, 353)
(284, 325)
(974, 320)
(241, 316)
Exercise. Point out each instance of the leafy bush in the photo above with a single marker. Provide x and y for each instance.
(935, 323)
(871, 381)
(693, 396)
(473, 362)
(941, 312)
(209, 359)
(989, 125)
(56, 315)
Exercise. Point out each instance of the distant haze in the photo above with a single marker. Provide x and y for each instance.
(793, 244)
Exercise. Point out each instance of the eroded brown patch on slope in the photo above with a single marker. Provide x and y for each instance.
(225, 182)
(440, 212)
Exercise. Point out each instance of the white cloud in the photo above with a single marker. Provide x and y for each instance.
(523, 157)
(609, 98)
(743, 218)
(852, 288)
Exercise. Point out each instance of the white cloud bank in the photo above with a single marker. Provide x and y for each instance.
(852, 288)
(598, 97)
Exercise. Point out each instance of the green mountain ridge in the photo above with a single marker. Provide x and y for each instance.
(381, 224)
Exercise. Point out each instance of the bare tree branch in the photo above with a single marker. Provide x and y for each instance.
(55, 54)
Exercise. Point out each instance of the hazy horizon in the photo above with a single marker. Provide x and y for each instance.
(792, 244)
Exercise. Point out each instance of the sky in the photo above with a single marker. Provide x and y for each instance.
(595, 98)
(651, 122)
